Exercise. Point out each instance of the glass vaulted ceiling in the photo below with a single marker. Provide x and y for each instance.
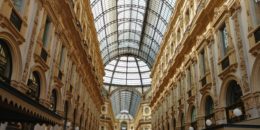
(130, 33)
(131, 27)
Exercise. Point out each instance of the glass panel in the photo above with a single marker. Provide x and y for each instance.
(115, 21)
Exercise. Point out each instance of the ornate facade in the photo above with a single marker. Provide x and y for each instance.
(50, 66)
(129, 65)
(205, 74)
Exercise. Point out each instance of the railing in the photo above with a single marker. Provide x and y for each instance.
(231, 118)
(257, 35)
(16, 20)
(44, 54)
(225, 63)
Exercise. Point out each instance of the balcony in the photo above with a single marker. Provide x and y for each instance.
(16, 20)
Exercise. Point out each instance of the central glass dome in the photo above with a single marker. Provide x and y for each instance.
(126, 79)
(127, 71)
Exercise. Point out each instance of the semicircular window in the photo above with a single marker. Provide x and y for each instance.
(127, 71)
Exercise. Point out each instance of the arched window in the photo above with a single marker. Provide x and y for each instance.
(234, 102)
(5, 62)
(234, 93)
(54, 100)
(34, 85)
(193, 114)
(209, 106)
